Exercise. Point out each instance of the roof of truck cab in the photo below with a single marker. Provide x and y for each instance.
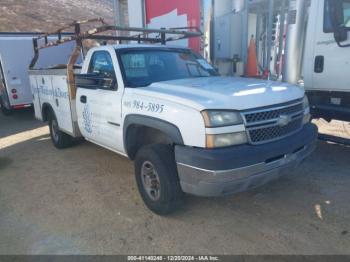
(126, 46)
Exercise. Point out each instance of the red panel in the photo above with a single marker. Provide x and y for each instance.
(191, 8)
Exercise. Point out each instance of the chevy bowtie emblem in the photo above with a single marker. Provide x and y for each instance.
(284, 120)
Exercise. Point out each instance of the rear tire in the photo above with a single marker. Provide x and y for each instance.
(6, 111)
(157, 179)
(59, 139)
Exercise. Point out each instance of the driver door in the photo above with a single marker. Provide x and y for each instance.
(99, 108)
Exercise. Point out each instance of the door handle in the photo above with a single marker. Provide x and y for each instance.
(83, 99)
(319, 64)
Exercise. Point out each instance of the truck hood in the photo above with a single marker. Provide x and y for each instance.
(225, 92)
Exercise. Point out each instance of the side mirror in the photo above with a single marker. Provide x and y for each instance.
(339, 17)
(340, 34)
(95, 81)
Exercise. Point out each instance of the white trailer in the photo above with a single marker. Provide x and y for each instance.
(16, 53)
(326, 63)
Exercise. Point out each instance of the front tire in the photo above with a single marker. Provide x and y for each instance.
(59, 139)
(157, 179)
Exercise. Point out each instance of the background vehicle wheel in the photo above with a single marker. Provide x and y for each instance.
(59, 139)
(6, 111)
(157, 179)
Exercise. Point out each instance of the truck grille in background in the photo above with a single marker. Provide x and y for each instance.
(264, 125)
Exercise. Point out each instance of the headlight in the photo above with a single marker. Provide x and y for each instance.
(306, 119)
(306, 107)
(214, 118)
(306, 103)
(224, 140)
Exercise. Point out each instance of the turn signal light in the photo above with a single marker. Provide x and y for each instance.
(14, 91)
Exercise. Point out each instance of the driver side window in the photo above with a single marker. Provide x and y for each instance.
(101, 64)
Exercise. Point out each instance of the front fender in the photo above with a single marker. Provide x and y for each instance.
(167, 128)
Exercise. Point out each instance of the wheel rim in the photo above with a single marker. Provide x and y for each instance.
(150, 180)
(54, 128)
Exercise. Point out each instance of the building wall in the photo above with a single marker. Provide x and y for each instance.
(135, 12)
(122, 12)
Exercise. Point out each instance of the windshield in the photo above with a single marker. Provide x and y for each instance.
(142, 67)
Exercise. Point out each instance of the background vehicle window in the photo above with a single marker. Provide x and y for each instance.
(327, 19)
(101, 64)
(343, 10)
(346, 13)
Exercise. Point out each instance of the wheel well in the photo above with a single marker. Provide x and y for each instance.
(138, 136)
(46, 111)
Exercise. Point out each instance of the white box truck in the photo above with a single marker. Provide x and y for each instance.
(326, 64)
(16, 53)
(187, 129)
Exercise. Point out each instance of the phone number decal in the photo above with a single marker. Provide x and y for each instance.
(145, 106)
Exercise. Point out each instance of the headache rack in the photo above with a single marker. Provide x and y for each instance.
(97, 29)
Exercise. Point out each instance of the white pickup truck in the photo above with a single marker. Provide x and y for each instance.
(187, 129)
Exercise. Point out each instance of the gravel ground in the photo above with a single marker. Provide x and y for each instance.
(84, 200)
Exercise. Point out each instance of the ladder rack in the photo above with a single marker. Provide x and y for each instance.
(94, 32)
(141, 35)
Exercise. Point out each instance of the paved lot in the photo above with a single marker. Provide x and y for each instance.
(84, 200)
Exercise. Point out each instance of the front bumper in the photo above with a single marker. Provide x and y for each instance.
(219, 172)
(329, 104)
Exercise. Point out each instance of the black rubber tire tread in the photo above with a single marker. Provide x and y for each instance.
(64, 140)
(163, 159)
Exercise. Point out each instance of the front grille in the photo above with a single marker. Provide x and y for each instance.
(267, 124)
(266, 134)
(272, 114)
